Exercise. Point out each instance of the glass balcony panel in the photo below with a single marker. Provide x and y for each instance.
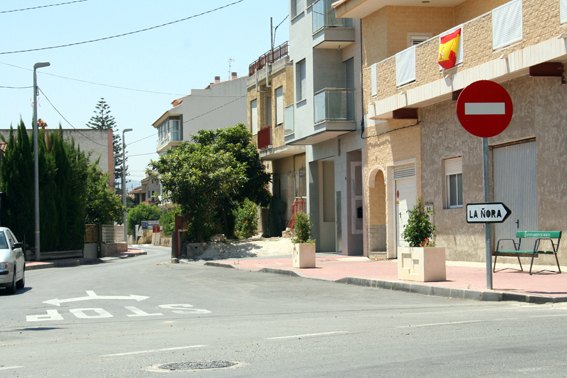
(288, 120)
(324, 17)
(334, 104)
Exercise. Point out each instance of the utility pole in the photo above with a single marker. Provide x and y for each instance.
(124, 185)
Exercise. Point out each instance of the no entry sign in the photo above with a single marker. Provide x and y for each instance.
(484, 108)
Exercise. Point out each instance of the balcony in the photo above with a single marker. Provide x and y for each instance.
(328, 31)
(333, 105)
(507, 42)
(265, 137)
(333, 115)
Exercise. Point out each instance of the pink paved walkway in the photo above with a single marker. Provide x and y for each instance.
(466, 277)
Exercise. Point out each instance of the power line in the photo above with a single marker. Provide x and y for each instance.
(122, 34)
(93, 82)
(66, 120)
(42, 6)
(149, 153)
(9, 87)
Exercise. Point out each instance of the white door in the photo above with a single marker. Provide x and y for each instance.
(405, 197)
(515, 184)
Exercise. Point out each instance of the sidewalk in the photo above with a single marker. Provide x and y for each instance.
(65, 263)
(464, 280)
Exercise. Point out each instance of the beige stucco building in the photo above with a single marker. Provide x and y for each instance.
(270, 92)
(415, 146)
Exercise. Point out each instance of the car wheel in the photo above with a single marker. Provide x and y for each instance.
(22, 283)
(12, 288)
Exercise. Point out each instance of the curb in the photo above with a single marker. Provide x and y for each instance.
(68, 263)
(486, 296)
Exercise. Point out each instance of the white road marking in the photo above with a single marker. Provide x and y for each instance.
(485, 108)
(91, 295)
(307, 335)
(440, 324)
(49, 315)
(153, 351)
(10, 367)
(90, 313)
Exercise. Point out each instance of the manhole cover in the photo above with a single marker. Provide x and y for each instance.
(197, 365)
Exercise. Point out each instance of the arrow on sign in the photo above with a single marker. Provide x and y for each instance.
(492, 212)
(91, 295)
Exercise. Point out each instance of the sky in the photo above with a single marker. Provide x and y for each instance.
(138, 74)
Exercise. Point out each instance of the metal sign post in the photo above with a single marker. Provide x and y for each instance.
(485, 109)
(487, 229)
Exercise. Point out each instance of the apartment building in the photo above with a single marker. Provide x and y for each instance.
(327, 112)
(414, 144)
(221, 104)
(270, 101)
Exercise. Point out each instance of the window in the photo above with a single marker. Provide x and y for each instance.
(454, 182)
(254, 116)
(297, 7)
(300, 80)
(279, 106)
(416, 39)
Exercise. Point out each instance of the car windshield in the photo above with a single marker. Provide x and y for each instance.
(3, 242)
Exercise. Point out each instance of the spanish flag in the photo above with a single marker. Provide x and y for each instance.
(448, 48)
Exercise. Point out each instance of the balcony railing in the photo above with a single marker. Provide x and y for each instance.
(324, 17)
(265, 137)
(269, 57)
(334, 104)
(505, 35)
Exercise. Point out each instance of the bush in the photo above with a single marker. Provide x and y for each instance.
(167, 219)
(419, 230)
(302, 228)
(246, 219)
(140, 213)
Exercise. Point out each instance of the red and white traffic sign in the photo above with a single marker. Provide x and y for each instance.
(484, 108)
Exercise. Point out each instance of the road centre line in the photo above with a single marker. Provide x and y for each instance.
(441, 324)
(10, 367)
(153, 351)
(307, 335)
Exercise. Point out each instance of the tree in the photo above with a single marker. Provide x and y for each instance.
(103, 206)
(103, 120)
(211, 178)
(236, 141)
(62, 179)
(200, 179)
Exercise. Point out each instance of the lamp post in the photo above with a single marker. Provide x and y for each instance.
(124, 184)
(35, 158)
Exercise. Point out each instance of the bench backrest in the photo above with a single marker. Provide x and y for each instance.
(539, 234)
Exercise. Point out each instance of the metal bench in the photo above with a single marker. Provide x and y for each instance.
(543, 239)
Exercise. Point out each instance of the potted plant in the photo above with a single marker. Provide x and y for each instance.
(421, 261)
(303, 255)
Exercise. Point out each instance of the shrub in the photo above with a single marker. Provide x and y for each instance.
(419, 230)
(246, 219)
(167, 219)
(302, 228)
(140, 213)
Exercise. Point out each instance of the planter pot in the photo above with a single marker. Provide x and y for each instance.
(424, 264)
(303, 255)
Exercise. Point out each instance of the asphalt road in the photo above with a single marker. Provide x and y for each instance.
(127, 318)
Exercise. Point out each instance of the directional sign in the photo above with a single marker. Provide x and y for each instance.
(492, 212)
(91, 295)
(484, 108)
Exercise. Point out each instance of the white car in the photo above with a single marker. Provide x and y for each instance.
(12, 261)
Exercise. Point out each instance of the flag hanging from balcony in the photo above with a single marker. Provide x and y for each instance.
(448, 49)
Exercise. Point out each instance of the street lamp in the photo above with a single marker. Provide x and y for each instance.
(124, 184)
(35, 157)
